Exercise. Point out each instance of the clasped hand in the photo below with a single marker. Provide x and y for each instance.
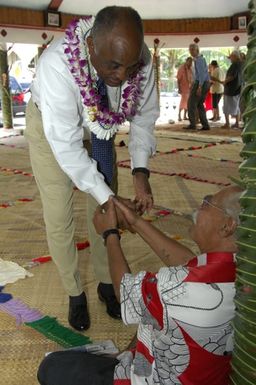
(117, 212)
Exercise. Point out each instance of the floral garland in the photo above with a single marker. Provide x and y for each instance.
(101, 121)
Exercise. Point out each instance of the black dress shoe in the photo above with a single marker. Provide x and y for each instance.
(205, 128)
(106, 294)
(78, 315)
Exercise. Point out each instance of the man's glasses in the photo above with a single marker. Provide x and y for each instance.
(207, 202)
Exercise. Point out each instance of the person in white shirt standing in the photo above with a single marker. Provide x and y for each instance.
(87, 84)
(216, 89)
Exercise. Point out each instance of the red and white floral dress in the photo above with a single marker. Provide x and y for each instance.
(184, 319)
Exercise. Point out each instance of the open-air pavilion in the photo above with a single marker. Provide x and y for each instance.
(187, 167)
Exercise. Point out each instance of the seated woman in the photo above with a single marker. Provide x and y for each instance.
(184, 313)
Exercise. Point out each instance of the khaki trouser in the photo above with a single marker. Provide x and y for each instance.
(56, 191)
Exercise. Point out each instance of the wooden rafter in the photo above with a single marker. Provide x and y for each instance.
(54, 5)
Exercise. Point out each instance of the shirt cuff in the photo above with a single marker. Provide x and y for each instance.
(140, 160)
(101, 193)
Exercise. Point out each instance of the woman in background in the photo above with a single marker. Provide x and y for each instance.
(184, 77)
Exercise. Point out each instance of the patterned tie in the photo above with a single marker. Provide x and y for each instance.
(102, 150)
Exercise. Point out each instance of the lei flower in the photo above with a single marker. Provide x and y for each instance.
(103, 122)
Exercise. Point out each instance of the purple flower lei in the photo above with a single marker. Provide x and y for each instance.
(79, 67)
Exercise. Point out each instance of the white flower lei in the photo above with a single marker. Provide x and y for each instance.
(101, 121)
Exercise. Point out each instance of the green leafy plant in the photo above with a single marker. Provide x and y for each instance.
(244, 355)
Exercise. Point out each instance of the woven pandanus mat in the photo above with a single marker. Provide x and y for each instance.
(221, 152)
(22, 237)
(171, 192)
(16, 140)
(168, 142)
(215, 130)
(203, 170)
(21, 351)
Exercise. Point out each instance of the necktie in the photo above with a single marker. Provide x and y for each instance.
(102, 150)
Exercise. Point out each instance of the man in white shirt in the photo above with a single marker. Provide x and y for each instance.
(67, 106)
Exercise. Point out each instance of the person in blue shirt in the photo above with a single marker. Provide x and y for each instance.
(199, 89)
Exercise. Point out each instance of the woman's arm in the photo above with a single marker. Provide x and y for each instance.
(171, 252)
(118, 266)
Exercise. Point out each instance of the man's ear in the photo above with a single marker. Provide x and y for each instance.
(228, 227)
(90, 44)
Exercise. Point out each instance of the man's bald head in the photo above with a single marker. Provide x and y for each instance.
(115, 44)
(110, 17)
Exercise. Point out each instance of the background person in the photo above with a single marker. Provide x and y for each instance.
(216, 89)
(199, 89)
(92, 80)
(232, 89)
(184, 79)
(184, 313)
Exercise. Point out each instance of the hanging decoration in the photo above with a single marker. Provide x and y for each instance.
(3, 32)
(44, 45)
(156, 65)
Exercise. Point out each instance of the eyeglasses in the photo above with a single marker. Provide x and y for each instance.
(207, 202)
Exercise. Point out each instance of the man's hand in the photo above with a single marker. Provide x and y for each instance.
(127, 202)
(106, 215)
(122, 222)
(106, 218)
(128, 212)
(143, 194)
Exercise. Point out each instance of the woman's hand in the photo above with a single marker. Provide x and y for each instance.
(105, 219)
(110, 216)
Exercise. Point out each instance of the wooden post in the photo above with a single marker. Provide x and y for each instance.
(6, 98)
(156, 64)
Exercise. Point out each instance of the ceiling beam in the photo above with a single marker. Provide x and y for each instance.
(29, 19)
(54, 5)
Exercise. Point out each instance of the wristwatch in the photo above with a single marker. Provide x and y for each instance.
(144, 170)
(106, 233)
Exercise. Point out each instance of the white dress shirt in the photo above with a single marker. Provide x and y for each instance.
(58, 98)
